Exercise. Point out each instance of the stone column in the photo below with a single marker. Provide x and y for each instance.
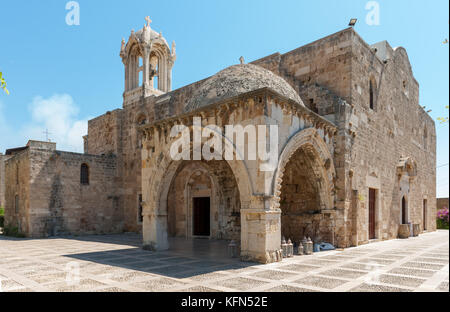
(169, 75)
(154, 230)
(261, 231)
(146, 68)
(126, 76)
(154, 225)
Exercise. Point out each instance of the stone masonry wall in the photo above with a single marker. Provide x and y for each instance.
(332, 77)
(60, 204)
(17, 191)
(2, 180)
(397, 127)
(52, 200)
(321, 74)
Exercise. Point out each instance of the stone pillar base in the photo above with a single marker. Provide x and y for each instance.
(264, 258)
(154, 233)
(261, 235)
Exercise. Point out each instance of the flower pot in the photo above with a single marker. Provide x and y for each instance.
(416, 230)
(404, 231)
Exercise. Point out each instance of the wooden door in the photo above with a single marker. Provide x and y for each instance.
(201, 216)
(403, 210)
(372, 199)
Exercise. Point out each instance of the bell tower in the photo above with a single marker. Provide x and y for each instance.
(148, 62)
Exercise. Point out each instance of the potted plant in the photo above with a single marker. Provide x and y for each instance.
(404, 231)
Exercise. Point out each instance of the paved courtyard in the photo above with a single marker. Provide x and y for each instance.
(115, 263)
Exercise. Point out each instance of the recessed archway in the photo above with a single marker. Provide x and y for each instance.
(158, 173)
(200, 190)
(304, 188)
(299, 199)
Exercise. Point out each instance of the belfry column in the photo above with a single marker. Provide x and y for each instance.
(170, 61)
(146, 68)
(169, 75)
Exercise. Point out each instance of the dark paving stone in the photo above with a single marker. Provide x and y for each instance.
(431, 260)
(158, 284)
(412, 272)
(377, 288)
(362, 266)
(401, 281)
(240, 283)
(200, 289)
(343, 273)
(376, 261)
(272, 274)
(421, 265)
(322, 282)
(298, 267)
(443, 286)
(287, 288)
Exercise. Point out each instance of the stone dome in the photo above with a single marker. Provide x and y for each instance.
(236, 80)
(153, 36)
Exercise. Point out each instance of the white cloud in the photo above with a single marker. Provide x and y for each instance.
(58, 114)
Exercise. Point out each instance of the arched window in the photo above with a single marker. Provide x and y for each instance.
(84, 174)
(372, 94)
(140, 216)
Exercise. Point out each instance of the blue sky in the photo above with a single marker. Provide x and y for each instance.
(60, 76)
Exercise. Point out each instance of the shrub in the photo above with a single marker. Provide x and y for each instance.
(2, 217)
(442, 219)
(12, 231)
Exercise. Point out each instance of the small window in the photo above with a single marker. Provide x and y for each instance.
(425, 139)
(141, 120)
(16, 204)
(140, 217)
(372, 95)
(313, 106)
(84, 174)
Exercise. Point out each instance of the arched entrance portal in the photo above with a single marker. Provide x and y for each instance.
(203, 201)
(301, 203)
(304, 184)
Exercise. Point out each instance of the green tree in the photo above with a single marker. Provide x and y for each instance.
(3, 83)
(443, 119)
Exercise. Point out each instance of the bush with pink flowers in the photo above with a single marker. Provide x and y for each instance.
(442, 218)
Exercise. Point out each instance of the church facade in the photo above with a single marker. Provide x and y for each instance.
(355, 153)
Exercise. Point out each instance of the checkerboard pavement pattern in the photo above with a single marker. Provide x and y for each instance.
(116, 263)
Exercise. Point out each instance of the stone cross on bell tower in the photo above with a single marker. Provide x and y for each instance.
(148, 20)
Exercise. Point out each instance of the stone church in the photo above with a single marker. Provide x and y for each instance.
(356, 153)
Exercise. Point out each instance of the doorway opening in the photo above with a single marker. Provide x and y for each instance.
(372, 203)
(404, 212)
(201, 216)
